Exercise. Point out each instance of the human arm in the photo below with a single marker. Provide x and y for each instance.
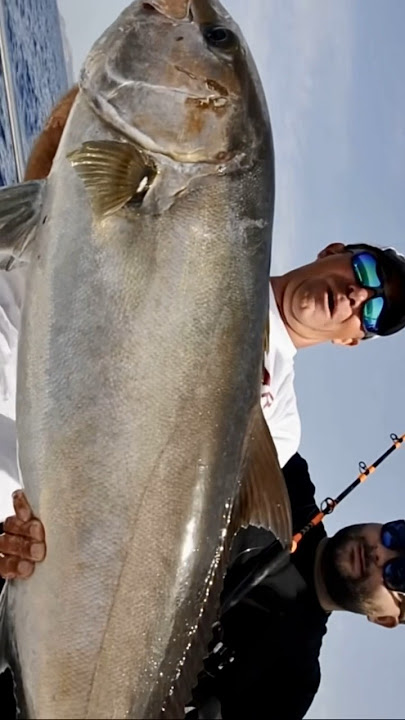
(274, 635)
(47, 143)
(275, 673)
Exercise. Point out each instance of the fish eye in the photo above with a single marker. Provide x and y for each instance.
(220, 37)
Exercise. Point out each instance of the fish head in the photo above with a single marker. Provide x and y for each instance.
(177, 77)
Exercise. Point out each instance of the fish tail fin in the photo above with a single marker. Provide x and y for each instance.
(20, 210)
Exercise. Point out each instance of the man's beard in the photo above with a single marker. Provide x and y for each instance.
(346, 592)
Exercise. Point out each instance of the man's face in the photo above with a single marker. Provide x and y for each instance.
(323, 300)
(352, 565)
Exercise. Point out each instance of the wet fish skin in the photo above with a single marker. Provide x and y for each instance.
(139, 366)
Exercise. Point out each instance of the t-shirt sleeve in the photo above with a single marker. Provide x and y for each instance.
(11, 289)
(284, 422)
(9, 478)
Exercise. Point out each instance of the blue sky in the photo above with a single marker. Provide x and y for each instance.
(333, 76)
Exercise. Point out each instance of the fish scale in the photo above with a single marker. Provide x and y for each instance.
(138, 400)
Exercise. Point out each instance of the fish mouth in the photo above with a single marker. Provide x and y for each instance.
(172, 9)
(203, 11)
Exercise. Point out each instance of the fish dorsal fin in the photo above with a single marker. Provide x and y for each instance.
(20, 210)
(113, 173)
(263, 498)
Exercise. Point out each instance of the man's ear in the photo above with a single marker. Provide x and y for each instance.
(388, 621)
(350, 342)
(332, 249)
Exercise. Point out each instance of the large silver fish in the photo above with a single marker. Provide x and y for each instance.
(139, 424)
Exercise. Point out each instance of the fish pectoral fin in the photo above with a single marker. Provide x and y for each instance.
(20, 210)
(263, 498)
(113, 173)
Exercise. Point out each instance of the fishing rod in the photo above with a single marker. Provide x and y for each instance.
(329, 504)
(271, 558)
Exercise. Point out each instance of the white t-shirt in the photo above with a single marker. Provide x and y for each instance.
(11, 296)
(278, 399)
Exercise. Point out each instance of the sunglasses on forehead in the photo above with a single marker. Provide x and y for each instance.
(393, 538)
(367, 272)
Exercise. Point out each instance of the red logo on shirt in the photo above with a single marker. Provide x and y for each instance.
(266, 395)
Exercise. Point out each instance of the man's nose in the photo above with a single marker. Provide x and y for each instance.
(358, 295)
(381, 555)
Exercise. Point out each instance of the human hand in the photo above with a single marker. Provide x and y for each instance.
(22, 544)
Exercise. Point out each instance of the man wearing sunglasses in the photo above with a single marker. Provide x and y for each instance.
(350, 293)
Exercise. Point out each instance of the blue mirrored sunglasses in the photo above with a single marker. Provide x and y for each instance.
(365, 268)
(393, 538)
